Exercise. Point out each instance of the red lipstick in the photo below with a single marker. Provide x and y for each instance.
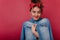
(36, 17)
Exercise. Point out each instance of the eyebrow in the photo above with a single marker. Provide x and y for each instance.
(35, 11)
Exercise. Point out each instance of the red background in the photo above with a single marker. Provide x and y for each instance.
(14, 12)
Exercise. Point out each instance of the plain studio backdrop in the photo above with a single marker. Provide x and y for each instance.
(14, 12)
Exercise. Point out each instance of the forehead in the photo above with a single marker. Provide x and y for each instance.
(36, 9)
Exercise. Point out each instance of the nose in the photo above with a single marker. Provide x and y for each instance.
(36, 14)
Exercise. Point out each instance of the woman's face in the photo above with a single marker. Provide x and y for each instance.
(36, 13)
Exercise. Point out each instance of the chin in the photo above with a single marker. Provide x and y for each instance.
(36, 18)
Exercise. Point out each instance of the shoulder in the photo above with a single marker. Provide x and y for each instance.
(44, 20)
(27, 23)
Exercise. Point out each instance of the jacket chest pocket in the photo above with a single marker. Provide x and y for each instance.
(43, 29)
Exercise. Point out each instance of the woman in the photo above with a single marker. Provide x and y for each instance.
(37, 28)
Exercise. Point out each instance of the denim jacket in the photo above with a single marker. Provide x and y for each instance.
(43, 28)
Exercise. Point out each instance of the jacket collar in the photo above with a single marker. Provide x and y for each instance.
(32, 20)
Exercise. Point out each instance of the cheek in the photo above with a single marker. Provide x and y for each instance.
(39, 15)
(32, 14)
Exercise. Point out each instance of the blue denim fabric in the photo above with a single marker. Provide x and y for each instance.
(43, 28)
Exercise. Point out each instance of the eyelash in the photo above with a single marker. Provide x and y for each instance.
(35, 12)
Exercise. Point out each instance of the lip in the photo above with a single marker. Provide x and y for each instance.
(36, 17)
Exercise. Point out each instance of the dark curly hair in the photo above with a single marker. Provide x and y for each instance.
(37, 1)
